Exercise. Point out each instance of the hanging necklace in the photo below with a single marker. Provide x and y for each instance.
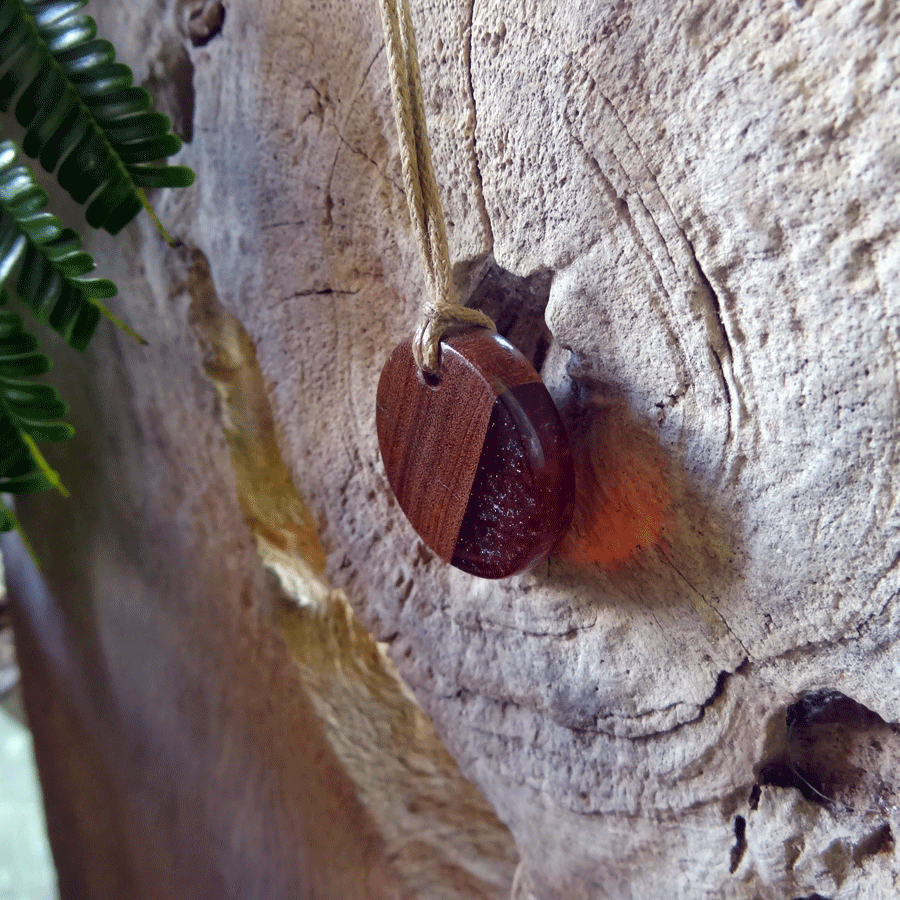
(473, 446)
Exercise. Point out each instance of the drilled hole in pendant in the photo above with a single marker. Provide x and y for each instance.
(430, 380)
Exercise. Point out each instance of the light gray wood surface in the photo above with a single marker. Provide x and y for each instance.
(708, 195)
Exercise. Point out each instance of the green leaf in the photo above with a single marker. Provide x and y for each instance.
(86, 167)
(24, 364)
(10, 323)
(55, 277)
(38, 284)
(7, 14)
(50, 11)
(121, 215)
(31, 399)
(162, 176)
(28, 410)
(66, 244)
(47, 431)
(133, 128)
(97, 287)
(13, 38)
(24, 68)
(80, 62)
(83, 328)
(24, 391)
(44, 93)
(26, 484)
(70, 131)
(58, 115)
(74, 30)
(41, 227)
(7, 519)
(14, 456)
(149, 149)
(16, 182)
(71, 264)
(85, 118)
(114, 194)
(121, 103)
(104, 78)
(17, 345)
(66, 310)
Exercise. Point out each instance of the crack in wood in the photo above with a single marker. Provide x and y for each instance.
(319, 292)
(709, 606)
(476, 163)
(361, 153)
(329, 202)
(462, 696)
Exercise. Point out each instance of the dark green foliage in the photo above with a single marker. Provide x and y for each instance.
(85, 119)
(53, 279)
(99, 135)
(28, 409)
(7, 519)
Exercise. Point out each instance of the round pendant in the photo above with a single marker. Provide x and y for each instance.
(480, 464)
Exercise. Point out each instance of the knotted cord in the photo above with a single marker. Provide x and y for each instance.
(441, 309)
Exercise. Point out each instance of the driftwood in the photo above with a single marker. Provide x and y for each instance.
(700, 201)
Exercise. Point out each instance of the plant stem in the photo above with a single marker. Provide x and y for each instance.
(152, 213)
(50, 474)
(119, 323)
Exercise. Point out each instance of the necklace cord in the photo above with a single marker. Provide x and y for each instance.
(440, 309)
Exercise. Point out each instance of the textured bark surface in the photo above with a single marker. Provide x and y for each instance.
(702, 201)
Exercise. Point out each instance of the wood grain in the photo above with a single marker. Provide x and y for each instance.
(710, 191)
(431, 441)
(480, 463)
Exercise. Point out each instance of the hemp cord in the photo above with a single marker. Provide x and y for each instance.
(440, 309)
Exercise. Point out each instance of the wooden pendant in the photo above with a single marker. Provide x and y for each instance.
(480, 464)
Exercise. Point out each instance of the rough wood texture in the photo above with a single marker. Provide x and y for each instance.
(709, 194)
(479, 462)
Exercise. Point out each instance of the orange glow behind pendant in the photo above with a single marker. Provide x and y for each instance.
(623, 502)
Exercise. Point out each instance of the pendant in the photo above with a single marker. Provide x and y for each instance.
(480, 463)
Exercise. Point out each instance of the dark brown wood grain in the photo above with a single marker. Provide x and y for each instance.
(480, 463)
(431, 439)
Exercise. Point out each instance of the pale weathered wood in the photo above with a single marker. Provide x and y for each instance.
(710, 194)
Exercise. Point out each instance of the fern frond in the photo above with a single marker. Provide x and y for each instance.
(54, 278)
(29, 411)
(82, 112)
